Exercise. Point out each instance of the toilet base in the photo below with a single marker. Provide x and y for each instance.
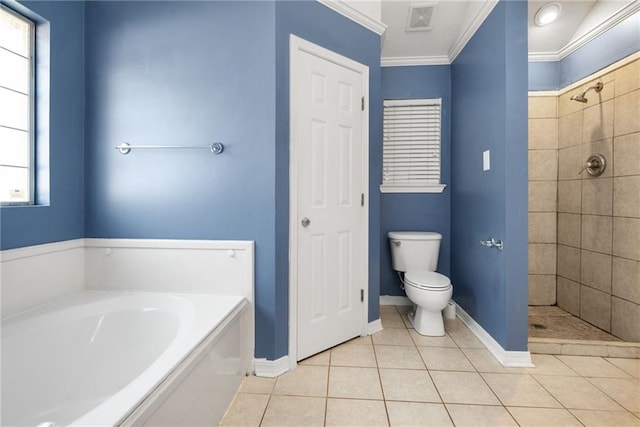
(427, 323)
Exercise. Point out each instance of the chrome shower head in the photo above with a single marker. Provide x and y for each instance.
(580, 98)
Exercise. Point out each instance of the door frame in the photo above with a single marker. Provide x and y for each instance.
(296, 46)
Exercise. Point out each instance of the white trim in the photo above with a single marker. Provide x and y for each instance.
(297, 45)
(375, 326)
(471, 29)
(394, 300)
(43, 249)
(272, 368)
(510, 359)
(404, 61)
(433, 188)
(544, 93)
(355, 15)
(576, 44)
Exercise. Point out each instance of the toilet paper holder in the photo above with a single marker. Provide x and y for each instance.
(492, 243)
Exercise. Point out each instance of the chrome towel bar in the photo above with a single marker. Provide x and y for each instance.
(125, 147)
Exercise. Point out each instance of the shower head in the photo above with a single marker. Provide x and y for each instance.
(580, 98)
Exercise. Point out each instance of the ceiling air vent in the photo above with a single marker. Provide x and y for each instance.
(420, 16)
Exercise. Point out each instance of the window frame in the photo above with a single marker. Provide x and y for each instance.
(418, 187)
(32, 107)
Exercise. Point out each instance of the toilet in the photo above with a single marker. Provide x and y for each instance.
(414, 255)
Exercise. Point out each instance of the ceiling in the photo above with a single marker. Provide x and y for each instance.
(453, 22)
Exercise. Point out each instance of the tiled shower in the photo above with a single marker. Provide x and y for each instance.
(584, 231)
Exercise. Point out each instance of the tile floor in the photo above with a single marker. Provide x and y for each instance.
(399, 378)
(557, 323)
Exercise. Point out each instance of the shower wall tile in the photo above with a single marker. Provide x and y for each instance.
(569, 262)
(596, 233)
(597, 196)
(543, 107)
(626, 155)
(595, 307)
(543, 134)
(570, 130)
(570, 196)
(626, 237)
(604, 147)
(626, 196)
(542, 258)
(570, 162)
(626, 279)
(566, 105)
(598, 122)
(542, 227)
(542, 289)
(627, 118)
(543, 196)
(595, 270)
(627, 78)
(569, 229)
(543, 165)
(569, 295)
(607, 92)
(598, 219)
(625, 319)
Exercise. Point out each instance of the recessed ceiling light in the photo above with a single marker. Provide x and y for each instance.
(547, 14)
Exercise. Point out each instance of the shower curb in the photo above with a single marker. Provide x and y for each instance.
(584, 348)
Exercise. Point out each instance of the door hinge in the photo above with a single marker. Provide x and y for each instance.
(361, 295)
(362, 104)
(362, 199)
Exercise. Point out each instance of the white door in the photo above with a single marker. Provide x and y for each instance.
(330, 220)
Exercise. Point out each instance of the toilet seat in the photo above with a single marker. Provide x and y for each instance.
(428, 280)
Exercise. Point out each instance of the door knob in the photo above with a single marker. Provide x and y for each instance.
(305, 222)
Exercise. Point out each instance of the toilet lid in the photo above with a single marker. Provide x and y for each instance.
(427, 279)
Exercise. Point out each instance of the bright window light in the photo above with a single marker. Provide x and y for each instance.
(16, 108)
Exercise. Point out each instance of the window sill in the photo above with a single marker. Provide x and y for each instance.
(433, 188)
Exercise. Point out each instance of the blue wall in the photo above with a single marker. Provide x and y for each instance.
(489, 99)
(608, 48)
(62, 216)
(420, 211)
(314, 22)
(185, 73)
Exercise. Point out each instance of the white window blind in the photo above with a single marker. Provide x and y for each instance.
(411, 146)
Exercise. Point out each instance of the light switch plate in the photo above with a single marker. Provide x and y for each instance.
(486, 160)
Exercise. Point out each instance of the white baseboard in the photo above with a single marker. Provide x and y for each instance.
(375, 326)
(511, 359)
(394, 300)
(271, 368)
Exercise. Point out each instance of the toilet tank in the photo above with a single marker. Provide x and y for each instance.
(414, 250)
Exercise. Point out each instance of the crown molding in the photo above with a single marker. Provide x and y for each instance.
(471, 29)
(404, 61)
(624, 13)
(355, 15)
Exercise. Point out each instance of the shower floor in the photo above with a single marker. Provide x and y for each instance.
(554, 322)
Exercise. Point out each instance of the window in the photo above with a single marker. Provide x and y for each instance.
(16, 108)
(411, 146)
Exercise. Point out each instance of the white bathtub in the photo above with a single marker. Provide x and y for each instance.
(108, 358)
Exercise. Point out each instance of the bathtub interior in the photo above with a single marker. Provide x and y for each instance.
(45, 381)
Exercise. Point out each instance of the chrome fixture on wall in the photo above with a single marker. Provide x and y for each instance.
(492, 243)
(580, 98)
(595, 166)
(125, 147)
